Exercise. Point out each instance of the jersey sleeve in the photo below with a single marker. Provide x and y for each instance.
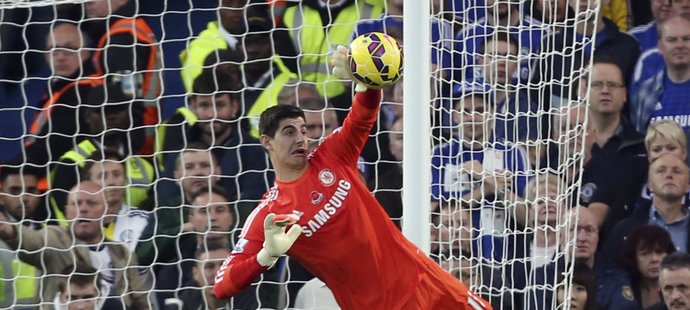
(346, 143)
(240, 268)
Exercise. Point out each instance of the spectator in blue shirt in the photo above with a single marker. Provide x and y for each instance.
(499, 64)
(505, 16)
(479, 170)
(668, 181)
(391, 23)
(560, 69)
(466, 12)
(647, 35)
(651, 62)
(550, 11)
(665, 95)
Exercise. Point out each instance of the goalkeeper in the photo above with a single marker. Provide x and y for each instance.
(320, 213)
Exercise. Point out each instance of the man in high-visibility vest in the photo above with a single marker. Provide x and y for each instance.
(226, 33)
(54, 249)
(20, 202)
(108, 123)
(263, 73)
(125, 43)
(217, 104)
(128, 47)
(54, 126)
(309, 33)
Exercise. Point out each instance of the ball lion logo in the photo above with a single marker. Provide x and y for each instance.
(327, 177)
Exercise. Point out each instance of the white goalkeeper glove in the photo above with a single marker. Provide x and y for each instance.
(341, 68)
(276, 240)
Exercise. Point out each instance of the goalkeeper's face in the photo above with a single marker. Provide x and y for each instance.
(288, 148)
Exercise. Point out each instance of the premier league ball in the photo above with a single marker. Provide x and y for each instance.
(376, 60)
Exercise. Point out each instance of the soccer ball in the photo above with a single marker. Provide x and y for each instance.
(375, 60)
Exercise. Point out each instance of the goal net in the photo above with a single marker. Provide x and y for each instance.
(130, 152)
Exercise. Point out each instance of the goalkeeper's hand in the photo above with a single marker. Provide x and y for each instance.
(341, 68)
(276, 240)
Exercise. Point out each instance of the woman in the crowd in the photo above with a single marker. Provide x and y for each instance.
(583, 291)
(664, 137)
(641, 257)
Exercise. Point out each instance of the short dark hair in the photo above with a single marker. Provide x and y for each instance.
(314, 104)
(676, 261)
(499, 36)
(608, 60)
(270, 119)
(485, 97)
(196, 146)
(647, 237)
(81, 274)
(213, 189)
(583, 275)
(211, 245)
(215, 82)
(98, 157)
(222, 56)
(9, 169)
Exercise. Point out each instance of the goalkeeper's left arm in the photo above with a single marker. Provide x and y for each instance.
(259, 247)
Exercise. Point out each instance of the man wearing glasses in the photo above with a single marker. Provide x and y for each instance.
(618, 161)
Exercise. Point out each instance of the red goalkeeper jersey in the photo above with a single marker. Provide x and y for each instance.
(347, 239)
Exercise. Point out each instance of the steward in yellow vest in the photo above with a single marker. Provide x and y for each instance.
(109, 126)
(263, 72)
(313, 29)
(19, 202)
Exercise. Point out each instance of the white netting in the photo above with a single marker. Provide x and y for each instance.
(173, 90)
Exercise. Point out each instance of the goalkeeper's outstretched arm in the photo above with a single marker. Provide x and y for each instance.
(257, 250)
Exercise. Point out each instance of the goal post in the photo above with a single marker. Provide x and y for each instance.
(417, 143)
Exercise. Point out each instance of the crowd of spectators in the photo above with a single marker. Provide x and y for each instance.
(139, 160)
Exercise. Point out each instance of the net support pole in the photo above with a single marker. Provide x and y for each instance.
(417, 123)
